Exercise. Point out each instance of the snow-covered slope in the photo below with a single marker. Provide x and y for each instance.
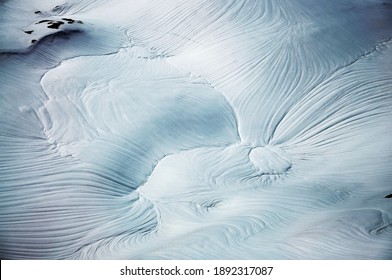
(203, 129)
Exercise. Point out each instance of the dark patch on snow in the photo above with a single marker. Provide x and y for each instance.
(44, 20)
(57, 8)
(37, 12)
(55, 24)
(33, 41)
(69, 20)
(388, 196)
(29, 31)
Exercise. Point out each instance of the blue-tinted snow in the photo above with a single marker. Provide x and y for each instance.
(195, 129)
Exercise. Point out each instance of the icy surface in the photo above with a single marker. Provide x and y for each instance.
(158, 129)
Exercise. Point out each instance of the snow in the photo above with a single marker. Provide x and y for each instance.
(195, 129)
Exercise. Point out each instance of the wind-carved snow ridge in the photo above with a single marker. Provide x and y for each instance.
(195, 129)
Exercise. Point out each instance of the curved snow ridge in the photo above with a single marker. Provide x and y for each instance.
(234, 168)
(345, 116)
(377, 227)
(34, 213)
(274, 60)
(180, 111)
(229, 224)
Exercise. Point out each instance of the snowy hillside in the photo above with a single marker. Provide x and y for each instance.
(156, 129)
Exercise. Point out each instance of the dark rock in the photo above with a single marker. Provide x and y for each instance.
(69, 20)
(56, 8)
(388, 196)
(55, 25)
(33, 41)
(44, 20)
(29, 31)
(37, 12)
(60, 8)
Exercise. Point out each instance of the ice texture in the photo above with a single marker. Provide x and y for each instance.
(157, 129)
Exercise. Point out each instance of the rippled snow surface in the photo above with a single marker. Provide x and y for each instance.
(158, 129)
